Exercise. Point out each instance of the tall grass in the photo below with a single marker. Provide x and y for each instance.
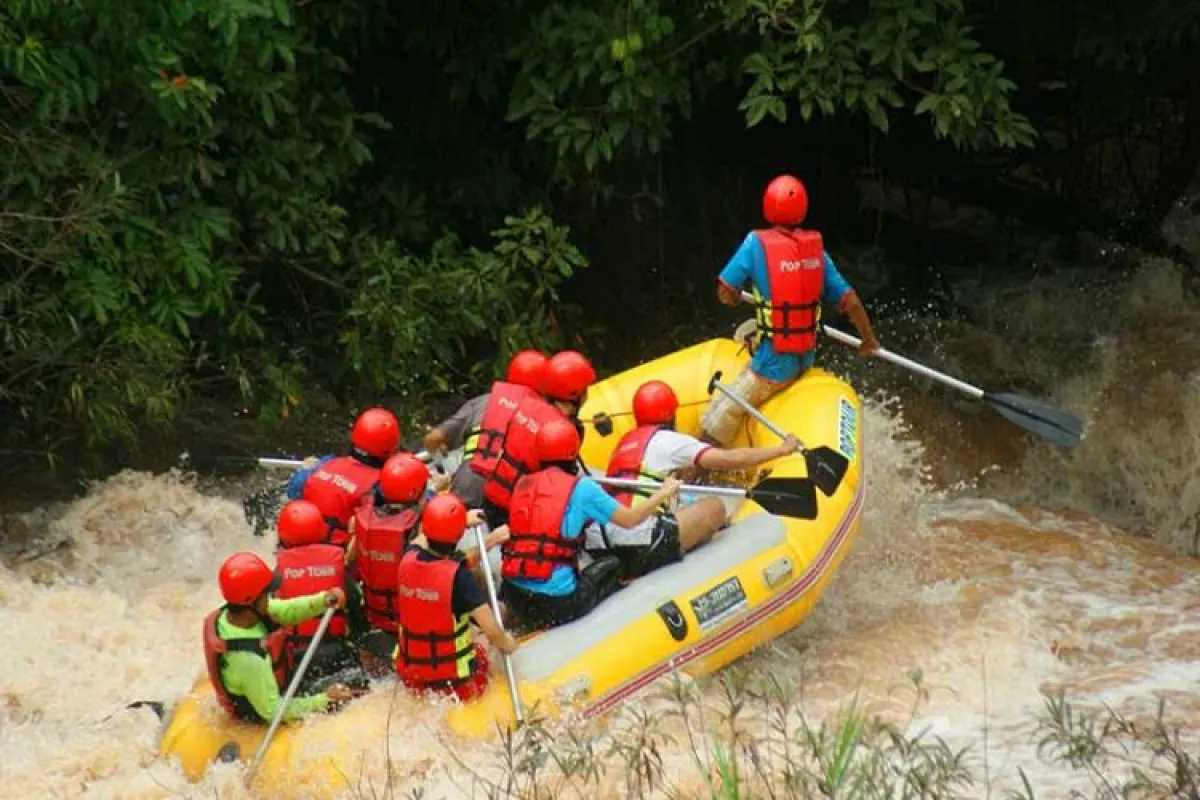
(753, 740)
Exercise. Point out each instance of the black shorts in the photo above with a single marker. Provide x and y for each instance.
(532, 611)
(663, 550)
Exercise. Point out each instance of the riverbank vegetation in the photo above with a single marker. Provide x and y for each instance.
(244, 199)
(752, 740)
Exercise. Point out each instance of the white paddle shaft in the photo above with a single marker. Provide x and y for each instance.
(291, 691)
(509, 674)
(900, 361)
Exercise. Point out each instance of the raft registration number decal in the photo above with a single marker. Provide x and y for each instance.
(719, 603)
(847, 429)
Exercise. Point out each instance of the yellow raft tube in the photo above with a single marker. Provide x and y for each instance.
(758, 579)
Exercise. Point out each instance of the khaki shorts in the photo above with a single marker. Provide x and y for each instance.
(722, 418)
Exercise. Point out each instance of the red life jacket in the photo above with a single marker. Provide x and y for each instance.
(215, 648)
(536, 545)
(381, 540)
(336, 487)
(796, 277)
(502, 404)
(627, 463)
(432, 645)
(519, 455)
(310, 569)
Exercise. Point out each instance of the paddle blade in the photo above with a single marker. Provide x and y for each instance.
(786, 497)
(1053, 424)
(826, 468)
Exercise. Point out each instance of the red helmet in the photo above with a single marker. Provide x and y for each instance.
(558, 440)
(444, 519)
(526, 367)
(567, 376)
(244, 577)
(654, 403)
(376, 432)
(786, 201)
(301, 522)
(403, 478)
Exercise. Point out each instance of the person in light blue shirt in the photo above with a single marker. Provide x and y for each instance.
(543, 585)
(790, 274)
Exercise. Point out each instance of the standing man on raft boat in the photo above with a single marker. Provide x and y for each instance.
(790, 274)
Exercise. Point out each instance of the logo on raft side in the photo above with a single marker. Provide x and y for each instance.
(847, 429)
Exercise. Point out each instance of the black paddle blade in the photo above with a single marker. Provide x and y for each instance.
(1054, 424)
(826, 468)
(786, 497)
(713, 381)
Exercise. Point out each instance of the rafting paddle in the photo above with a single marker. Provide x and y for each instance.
(509, 673)
(826, 466)
(783, 497)
(1053, 424)
(260, 506)
(296, 463)
(1058, 426)
(291, 691)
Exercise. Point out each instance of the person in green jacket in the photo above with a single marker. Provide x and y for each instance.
(243, 643)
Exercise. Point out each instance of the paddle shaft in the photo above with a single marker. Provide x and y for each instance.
(509, 674)
(751, 410)
(899, 360)
(687, 488)
(291, 691)
(296, 463)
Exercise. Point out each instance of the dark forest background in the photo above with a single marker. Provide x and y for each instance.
(241, 201)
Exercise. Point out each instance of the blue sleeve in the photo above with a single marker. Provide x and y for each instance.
(740, 269)
(295, 487)
(593, 502)
(836, 286)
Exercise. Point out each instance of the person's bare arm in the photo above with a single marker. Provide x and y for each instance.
(493, 539)
(435, 441)
(746, 457)
(486, 621)
(853, 308)
(727, 295)
(631, 516)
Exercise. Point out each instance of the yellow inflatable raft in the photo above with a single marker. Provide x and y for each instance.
(757, 580)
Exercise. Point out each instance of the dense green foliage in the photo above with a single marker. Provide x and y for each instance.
(223, 195)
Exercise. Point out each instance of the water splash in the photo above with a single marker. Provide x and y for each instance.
(992, 597)
(974, 593)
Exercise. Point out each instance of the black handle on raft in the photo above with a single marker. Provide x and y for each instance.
(712, 383)
(602, 423)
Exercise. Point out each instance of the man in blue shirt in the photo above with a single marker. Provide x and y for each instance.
(790, 275)
(550, 508)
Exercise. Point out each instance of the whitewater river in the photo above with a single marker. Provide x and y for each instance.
(994, 602)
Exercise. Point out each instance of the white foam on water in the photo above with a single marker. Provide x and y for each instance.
(992, 602)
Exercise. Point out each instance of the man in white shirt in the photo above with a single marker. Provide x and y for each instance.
(652, 451)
